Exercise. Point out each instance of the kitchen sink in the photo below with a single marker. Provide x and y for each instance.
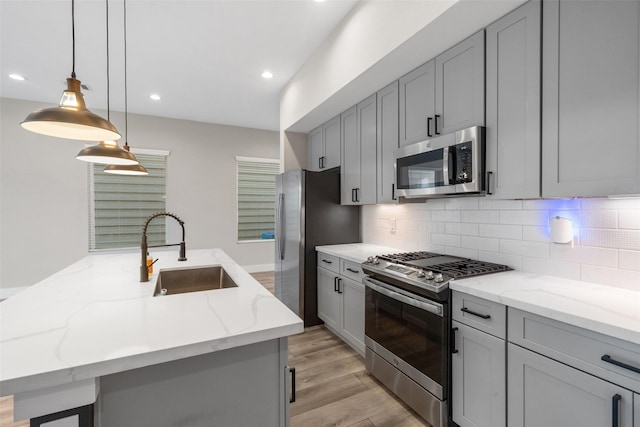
(192, 279)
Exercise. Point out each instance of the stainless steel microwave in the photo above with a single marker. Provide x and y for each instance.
(447, 165)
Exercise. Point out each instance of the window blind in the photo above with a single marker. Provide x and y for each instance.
(256, 198)
(121, 204)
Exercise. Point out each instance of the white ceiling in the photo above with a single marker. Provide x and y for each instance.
(203, 57)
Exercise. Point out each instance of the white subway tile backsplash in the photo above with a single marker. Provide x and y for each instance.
(461, 252)
(520, 247)
(618, 204)
(469, 203)
(629, 260)
(629, 219)
(433, 204)
(468, 229)
(480, 243)
(445, 216)
(585, 255)
(439, 227)
(551, 204)
(538, 217)
(406, 225)
(536, 233)
(620, 239)
(491, 204)
(445, 239)
(501, 231)
(480, 217)
(568, 270)
(610, 276)
(599, 219)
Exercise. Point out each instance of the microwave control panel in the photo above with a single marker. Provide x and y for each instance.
(462, 156)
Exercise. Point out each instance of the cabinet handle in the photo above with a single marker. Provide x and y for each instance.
(328, 262)
(454, 336)
(489, 174)
(436, 124)
(319, 162)
(429, 126)
(615, 403)
(353, 195)
(352, 270)
(339, 283)
(393, 192)
(357, 195)
(335, 284)
(473, 313)
(608, 359)
(293, 385)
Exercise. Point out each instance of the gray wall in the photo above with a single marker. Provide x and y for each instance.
(44, 192)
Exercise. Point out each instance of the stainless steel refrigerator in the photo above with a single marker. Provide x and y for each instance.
(308, 214)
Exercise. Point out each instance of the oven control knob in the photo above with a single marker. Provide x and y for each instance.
(370, 260)
(439, 278)
(429, 275)
(420, 274)
(376, 261)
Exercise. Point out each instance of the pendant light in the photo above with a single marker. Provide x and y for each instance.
(71, 119)
(108, 151)
(138, 169)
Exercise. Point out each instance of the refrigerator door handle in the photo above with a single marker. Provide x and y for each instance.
(280, 222)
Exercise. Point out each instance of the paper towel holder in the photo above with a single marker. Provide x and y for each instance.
(561, 230)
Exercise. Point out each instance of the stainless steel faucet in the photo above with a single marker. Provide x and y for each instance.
(144, 269)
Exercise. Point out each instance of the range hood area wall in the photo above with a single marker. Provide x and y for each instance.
(44, 205)
(517, 233)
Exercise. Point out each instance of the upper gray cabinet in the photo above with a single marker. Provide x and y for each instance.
(591, 101)
(460, 86)
(387, 142)
(417, 104)
(324, 146)
(445, 94)
(513, 104)
(358, 168)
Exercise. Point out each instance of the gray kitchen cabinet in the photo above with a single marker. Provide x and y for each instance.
(324, 146)
(513, 104)
(543, 392)
(636, 409)
(387, 141)
(460, 86)
(445, 94)
(417, 104)
(591, 98)
(358, 166)
(478, 379)
(341, 299)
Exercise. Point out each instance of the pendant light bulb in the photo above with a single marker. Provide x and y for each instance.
(71, 119)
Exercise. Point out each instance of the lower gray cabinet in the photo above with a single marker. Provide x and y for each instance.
(543, 393)
(636, 410)
(478, 378)
(328, 298)
(352, 312)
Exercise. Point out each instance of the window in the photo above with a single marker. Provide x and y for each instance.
(256, 198)
(120, 204)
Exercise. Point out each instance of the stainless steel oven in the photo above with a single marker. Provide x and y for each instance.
(407, 340)
(407, 325)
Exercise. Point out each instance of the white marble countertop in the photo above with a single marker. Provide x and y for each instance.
(605, 309)
(356, 252)
(95, 318)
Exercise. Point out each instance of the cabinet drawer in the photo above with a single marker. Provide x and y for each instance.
(578, 347)
(351, 270)
(329, 262)
(479, 313)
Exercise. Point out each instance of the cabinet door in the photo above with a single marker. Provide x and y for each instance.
(350, 168)
(478, 379)
(353, 312)
(331, 131)
(636, 410)
(513, 104)
(328, 299)
(387, 135)
(417, 104)
(590, 93)
(316, 149)
(543, 393)
(460, 86)
(367, 186)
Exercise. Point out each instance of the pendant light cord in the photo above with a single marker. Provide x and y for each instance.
(73, 38)
(108, 89)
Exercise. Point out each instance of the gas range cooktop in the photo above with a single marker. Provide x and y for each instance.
(427, 270)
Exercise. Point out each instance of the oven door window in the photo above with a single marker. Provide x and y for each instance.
(424, 170)
(410, 333)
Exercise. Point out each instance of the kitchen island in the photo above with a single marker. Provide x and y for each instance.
(93, 334)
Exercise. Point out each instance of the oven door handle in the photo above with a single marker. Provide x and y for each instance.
(431, 307)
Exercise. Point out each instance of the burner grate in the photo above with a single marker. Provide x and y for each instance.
(408, 256)
(468, 268)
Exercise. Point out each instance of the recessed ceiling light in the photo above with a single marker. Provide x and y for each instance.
(267, 74)
(17, 77)
(155, 97)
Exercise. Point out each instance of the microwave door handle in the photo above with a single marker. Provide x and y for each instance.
(445, 166)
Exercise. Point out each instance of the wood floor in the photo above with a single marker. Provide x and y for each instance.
(332, 385)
